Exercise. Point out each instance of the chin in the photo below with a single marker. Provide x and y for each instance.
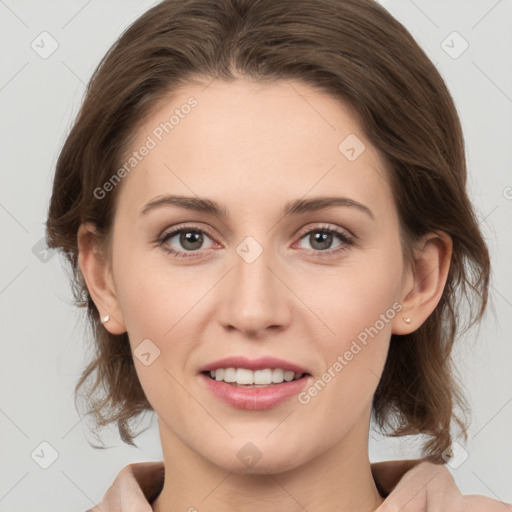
(250, 460)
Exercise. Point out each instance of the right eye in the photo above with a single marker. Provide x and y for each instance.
(190, 238)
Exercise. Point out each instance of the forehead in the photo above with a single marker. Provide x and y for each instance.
(250, 140)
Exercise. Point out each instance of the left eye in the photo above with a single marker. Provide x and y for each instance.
(321, 239)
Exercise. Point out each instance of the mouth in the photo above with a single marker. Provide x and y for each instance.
(247, 378)
(255, 397)
(254, 384)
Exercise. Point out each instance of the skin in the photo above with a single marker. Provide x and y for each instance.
(414, 486)
(293, 302)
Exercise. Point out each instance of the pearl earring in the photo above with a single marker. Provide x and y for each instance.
(407, 320)
(105, 319)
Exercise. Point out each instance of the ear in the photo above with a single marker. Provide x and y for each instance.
(96, 270)
(423, 284)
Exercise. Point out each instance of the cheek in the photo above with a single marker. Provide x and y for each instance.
(357, 302)
(341, 395)
(155, 296)
(162, 304)
(359, 308)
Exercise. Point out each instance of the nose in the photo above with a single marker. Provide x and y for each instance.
(254, 297)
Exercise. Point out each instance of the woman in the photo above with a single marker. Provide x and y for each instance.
(264, 207)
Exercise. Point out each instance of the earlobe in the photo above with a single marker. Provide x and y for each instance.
(97, 275)
(425, 282)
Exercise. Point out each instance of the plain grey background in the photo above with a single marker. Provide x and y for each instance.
(48, 51)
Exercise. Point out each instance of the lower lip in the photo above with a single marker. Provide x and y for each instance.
(255, 399)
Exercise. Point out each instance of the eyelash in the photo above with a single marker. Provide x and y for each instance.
(343, 237)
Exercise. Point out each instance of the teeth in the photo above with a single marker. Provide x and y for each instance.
(229, 375)
(244, 376)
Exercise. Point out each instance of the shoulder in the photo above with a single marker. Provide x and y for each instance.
(475, 503)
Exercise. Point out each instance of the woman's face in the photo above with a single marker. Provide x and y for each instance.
(269, 283)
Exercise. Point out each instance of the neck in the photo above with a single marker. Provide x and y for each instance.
(337, 480)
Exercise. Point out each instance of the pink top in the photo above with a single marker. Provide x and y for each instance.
(149, 493)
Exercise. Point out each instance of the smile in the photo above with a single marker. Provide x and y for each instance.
(255, 397)
(247, 377)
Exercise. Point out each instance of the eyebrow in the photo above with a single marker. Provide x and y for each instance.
(294, 207)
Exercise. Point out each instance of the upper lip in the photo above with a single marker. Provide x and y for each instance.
(260, 363)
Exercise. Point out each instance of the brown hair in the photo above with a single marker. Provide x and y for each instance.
(355, 51)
